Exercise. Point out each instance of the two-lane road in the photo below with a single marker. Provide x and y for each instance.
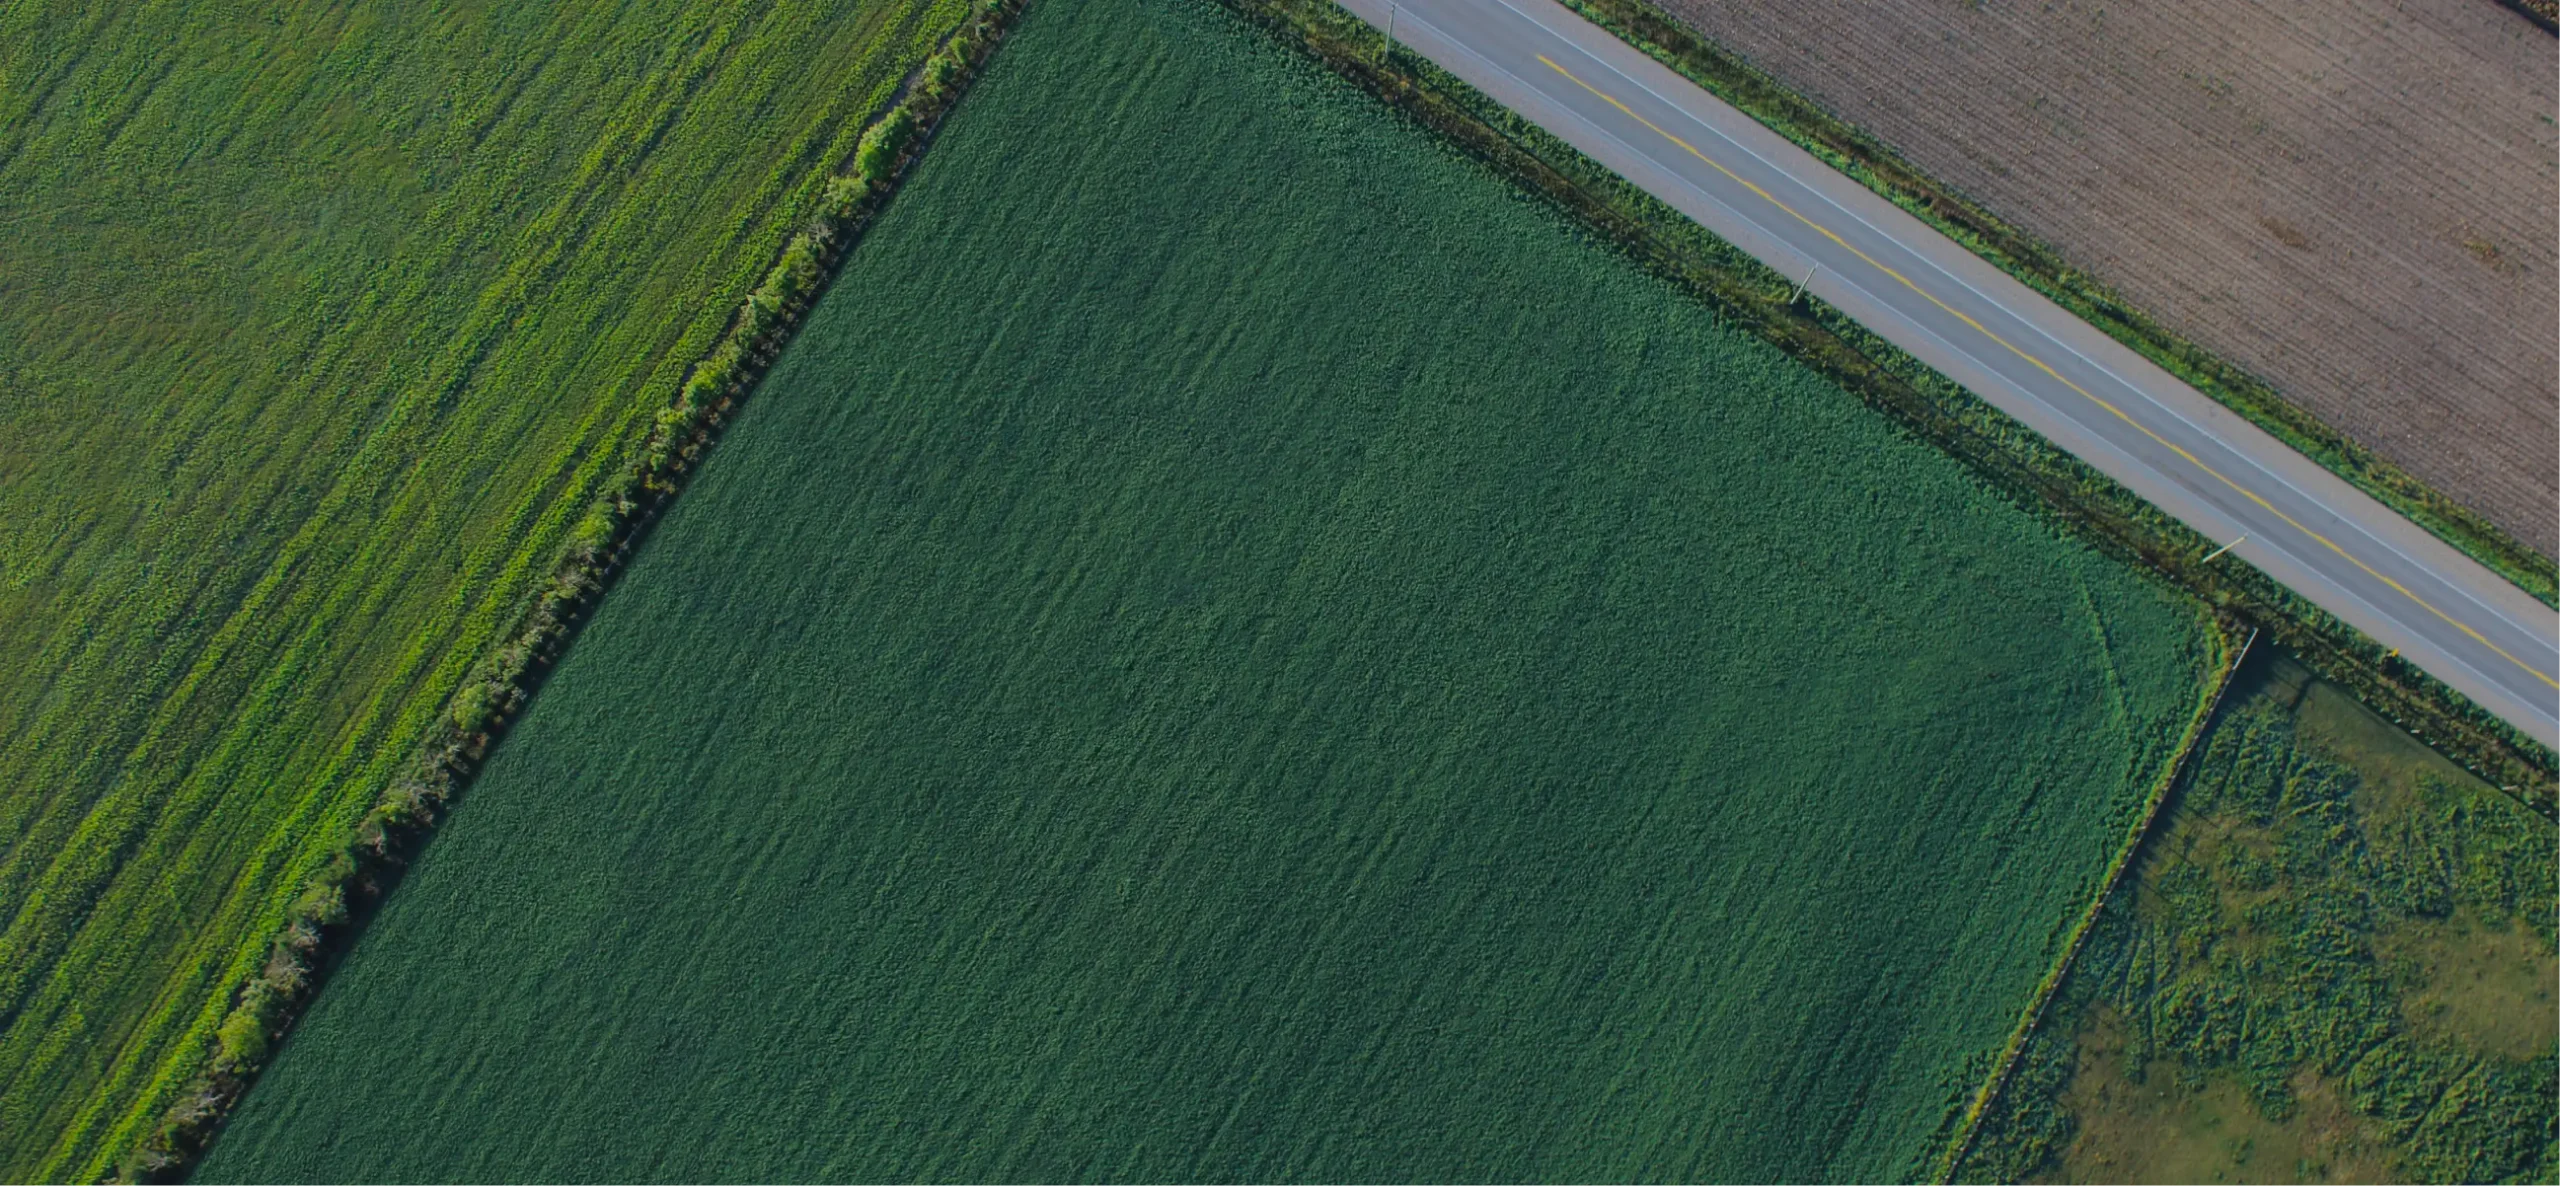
(2084, 391)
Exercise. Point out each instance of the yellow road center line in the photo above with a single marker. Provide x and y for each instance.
(2058, 377)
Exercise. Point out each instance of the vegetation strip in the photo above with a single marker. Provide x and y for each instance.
(2033, 1016)
(2008, 454)
(2545, 13)
(1876, 166)
(322, 920)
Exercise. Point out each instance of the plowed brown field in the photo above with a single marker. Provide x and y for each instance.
(2353, 198)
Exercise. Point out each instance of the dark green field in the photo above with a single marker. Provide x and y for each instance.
(1235, 646)
(320, 325)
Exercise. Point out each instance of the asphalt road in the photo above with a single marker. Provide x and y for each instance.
(2084, 391)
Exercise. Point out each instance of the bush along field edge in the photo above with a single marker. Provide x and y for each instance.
(2005, 1063)
(2011, 457)
(1871, 163)
(2545, 13)
(331, 908)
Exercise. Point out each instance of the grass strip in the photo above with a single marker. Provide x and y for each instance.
(328, 913)
(1873, 164)
(2545, 13)
(2033, 1016)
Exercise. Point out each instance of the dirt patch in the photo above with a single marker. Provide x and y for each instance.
(2352, 198)
(2165, 1125)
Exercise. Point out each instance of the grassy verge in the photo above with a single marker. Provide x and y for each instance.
(1879, 168)
(325, 915)
(2545, 13)
(1925, 403)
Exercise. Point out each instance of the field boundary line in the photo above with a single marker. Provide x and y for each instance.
(2543, 13)
(331, 912)
(2181, 765)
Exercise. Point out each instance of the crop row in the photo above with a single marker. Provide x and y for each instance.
(363, 440)
(1167, 681)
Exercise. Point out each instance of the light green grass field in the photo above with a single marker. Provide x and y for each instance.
(317, 326)
(1234, 646)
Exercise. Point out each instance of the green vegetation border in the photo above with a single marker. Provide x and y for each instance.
(323, 920)
(1871, 163)
(2032, 1019)
(2014, 459)
(2545, 13)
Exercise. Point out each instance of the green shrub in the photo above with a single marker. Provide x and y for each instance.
(325, 904)
(242, 1038)
(877, 155)
(470, 709)
(942, 71)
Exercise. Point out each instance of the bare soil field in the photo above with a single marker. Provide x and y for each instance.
(2353, 198)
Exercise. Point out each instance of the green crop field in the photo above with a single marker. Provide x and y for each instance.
(319, 325)
(1235, 646)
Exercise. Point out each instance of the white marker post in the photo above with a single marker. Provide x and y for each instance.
(2217, 552)
(1803, 284)
(1390, 51)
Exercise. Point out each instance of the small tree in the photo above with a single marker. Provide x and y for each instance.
(470, 706)
(243, 1037)
(593, 533)
(878, 152)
